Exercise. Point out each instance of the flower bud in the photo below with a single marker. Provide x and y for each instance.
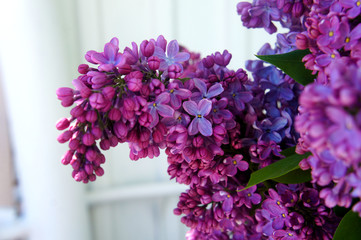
(97, 132)
(108, 92)
(74, 144)
(153, 63)
(83, 68)
(174, 71)
(208, 62)
(124, 69)
(65, 136)
(297, 9)
(120, 129)
(302, 41)
(77, 111)
(88, 169)
(91, 116)
(147, 48)
(88, 139)
(104, 144)
(115, 115)
(99, 171)
(62, 124)
(67, 157)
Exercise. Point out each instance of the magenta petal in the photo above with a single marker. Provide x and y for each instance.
(155, 117)
(215, 90)
(204, 107)
(219, 196)
(353, 12)
(191, 107)
(356, 32)
(202, 87)
(242, 165)
(336, 115)
(193, 127)
(159, 52)
(183, 93)
(226, 114)
(256, 11)
(163, 98)
(98, 58)
(227, 205)
(256, 199)
(172, 49)
(110, 51)
(222, 103)
(323, 60)
(114, 41)
(182, 57)
(205, 127)
(323, 40)
(163, 66)
(165, 110)
(175, 101)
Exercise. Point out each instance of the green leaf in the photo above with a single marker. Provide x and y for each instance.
(276, 169)
(291, 63)
(289, 151)
(294, 177)
(349, 227)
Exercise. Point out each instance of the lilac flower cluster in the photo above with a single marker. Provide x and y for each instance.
(123, 99)
(295, 212)
(330, 127)
(215, 124)
(329, 120)
(264, 13)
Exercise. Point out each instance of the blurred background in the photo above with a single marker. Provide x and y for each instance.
(41, 44)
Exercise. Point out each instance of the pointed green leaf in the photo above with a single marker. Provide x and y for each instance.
(349, 227)
(276, 169)
(291, 63)
(294, 177)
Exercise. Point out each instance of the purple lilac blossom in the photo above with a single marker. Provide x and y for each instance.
(173, 55)
(199, 122)
(157, 110)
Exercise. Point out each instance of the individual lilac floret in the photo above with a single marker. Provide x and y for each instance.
(234, 164)
(213, 91)
(329, 31)
(225, 198)
(177, 94)
(173, 55)
(285, 235)
(110, 58)
(249, 196)
(269, 129)
(237, 95)
(159, 106)
(199, 123)
(219, 112)
(353, 6)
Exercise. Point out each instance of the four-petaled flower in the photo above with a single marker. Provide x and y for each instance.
(213, 91)
(225, 198)
(110, 58)
(235, 163)
(200, 111)
(159, 106)
(173, 55)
